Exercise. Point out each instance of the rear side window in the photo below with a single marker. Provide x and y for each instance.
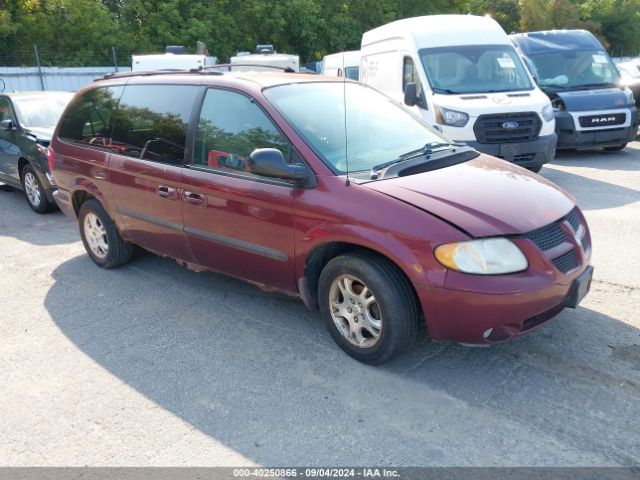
(88, 120)
(151, 122)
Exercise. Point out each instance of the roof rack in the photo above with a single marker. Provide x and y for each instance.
(145, 73)
(229, 65)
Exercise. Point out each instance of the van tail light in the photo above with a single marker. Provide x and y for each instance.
(50, 158)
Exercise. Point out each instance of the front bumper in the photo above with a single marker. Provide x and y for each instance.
(486, 318)
(569, 137)
(525, 154)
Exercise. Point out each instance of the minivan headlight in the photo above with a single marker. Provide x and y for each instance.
(452, 118)
(547, 113)
(488, 256)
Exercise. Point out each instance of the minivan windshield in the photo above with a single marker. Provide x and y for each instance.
(41, 111)
(474, 69)
(378, 130)
(561, 70)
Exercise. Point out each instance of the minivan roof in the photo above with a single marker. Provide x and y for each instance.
(554, 40)
(204, 77)
(434, 31)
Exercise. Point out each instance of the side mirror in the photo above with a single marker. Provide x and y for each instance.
(269, 162)
(410, 94)
(7, 125)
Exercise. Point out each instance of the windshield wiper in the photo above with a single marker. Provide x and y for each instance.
(446, 90)
(425, 151)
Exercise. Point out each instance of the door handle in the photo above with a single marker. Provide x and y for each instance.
(167, 192)
(195, 199)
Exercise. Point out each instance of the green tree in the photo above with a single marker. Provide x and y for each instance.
(505, 12)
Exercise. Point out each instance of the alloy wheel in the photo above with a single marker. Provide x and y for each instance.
(96, 235)
(355, 311)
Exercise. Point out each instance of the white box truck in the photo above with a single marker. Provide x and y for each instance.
(170, 61)
(462, 74)
(342, 64)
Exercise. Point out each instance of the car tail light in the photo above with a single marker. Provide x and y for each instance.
(50, 158)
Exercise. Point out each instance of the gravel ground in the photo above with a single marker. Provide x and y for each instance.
(153, 364)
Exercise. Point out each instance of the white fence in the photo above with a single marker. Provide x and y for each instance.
(50, 78)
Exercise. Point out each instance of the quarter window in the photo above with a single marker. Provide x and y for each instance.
(232, 126)
(151, 122)
(88, 119)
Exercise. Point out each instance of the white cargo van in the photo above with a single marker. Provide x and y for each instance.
(170, 61)
(462, 74)
(342, 64)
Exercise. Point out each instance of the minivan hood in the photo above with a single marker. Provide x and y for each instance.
(484, 197)
(589, 100)
(41, 133)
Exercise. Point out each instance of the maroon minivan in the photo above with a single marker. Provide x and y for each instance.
(324, 189)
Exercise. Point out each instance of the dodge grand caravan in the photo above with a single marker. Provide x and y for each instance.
(324, 189)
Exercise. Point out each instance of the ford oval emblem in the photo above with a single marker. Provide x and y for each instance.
(510, 125)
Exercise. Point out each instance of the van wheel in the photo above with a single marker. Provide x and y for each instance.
(101, 240)
(34, 191)
(535, 168)
(369, 306)
(617, 148)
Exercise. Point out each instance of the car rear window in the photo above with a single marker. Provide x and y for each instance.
(88, 118)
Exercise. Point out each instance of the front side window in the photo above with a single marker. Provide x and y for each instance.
(41, 111)
(377, 129)
(475, 69)
(88, 119)
(151, 122)
(6, 111)
(559, 70)
(232, 126)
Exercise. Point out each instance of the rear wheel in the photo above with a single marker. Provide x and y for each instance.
(617, 148)
(369, 306)
(100, 237)
(34, 191)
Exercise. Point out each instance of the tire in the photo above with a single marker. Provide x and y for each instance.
(394, 308)
(617, 148)
(100, 237)
(34, 191)
(535, 168)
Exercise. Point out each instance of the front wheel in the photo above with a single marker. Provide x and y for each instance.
(369, 306)
(100, 237)
(34, 191)
(535, 168)
(617, 148)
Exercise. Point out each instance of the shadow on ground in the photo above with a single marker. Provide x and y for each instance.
(19, 221)
(259, 373)
(624, 160)
(595, 193)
